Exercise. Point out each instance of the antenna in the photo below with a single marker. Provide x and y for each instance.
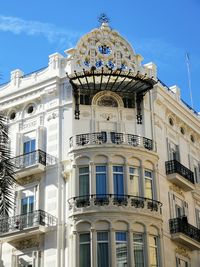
(187, 58)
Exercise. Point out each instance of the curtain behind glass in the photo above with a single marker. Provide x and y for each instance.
(102, 249)
(121, 249)
(118, 180)
(101, 181)
(84, 181)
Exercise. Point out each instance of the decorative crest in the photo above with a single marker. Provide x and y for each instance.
(103, 18)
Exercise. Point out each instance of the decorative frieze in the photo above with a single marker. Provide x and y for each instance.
(183, 252)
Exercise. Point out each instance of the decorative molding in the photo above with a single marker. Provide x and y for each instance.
(52, 116)
(28, 125)
(28, 180)
(182, 251)
(176, 189)
(108, 115)
(26, 243)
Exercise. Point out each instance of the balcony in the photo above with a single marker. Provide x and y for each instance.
(180, 175)
(112, 202)
(112, 138)
(32, 163)
(32, 223)
(185, 233)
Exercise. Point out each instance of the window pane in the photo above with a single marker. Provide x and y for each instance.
(102, 249)
(102, 236)
(153, 251)
(84, 251)
(134, 178)
(121, 249)
(118, 178)
(138, 246)
(84, 181)
(101, 180)
(83, 170)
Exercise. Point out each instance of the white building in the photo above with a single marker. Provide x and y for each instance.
(107, 163)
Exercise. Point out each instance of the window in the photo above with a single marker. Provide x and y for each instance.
(181, 263)
(118, 177)
(101, 181)
(148, 184)
(29, 146)
(134, 177)
(121, 249)
(84, 250)
(153, 251)
(84, 181)
(138, 247)
(196, 174)
(173, 151)
(102, 249)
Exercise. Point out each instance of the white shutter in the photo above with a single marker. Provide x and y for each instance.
(41, 138)
(19, 144)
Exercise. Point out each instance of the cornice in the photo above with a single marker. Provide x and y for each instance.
(32, 90)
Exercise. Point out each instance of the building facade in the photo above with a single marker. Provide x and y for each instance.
(107, 162)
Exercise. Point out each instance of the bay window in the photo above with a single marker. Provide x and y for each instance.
(101, 181)
(84, 181)
(121, 249)
(138, 248)
(134, 178)
(84, 250)
(118, 179)
(148, 184)
(153, 251)
(102, 249)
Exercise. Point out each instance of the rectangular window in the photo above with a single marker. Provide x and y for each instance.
(134, 177)
(153, 251)
(29, 158)
(84, 181)
(121, 249)
(84, 250)
(27, 207)
(138, 247)
(101, 181)
(102, 249)
(148, 184)
(118, 177)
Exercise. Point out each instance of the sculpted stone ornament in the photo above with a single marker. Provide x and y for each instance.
(183, 252)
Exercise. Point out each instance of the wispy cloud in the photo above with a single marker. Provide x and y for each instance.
(49, 31)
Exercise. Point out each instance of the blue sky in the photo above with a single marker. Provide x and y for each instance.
(161, 31)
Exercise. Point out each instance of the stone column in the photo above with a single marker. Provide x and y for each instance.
(93, 247)
(112, 248)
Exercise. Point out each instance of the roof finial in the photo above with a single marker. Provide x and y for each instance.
(103, 18)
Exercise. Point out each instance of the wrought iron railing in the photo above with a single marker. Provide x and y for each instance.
(181, 225)
(25, 221)
(174, 166)
(116, 200)
(111, 138)
(33, 158)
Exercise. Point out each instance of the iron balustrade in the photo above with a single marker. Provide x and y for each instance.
(25, 221)
(181, 225)
(33, 158)
(174, 166)
(99, 138)
(116, 200)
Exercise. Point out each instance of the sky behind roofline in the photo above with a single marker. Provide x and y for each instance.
(161, 31)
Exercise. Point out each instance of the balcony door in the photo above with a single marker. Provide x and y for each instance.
(27, 207)
(118, 181)
(29, 157)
